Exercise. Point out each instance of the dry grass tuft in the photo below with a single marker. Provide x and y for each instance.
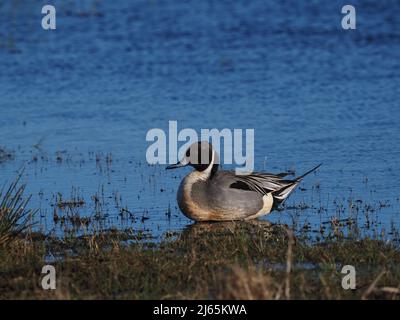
(14, 217)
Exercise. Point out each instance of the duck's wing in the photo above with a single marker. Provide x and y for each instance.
(265, 183)
(260, 182)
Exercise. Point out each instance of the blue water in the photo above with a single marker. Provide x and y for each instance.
(115, 69)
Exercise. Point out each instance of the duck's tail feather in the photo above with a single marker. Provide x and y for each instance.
(308, 172)
(281, 194)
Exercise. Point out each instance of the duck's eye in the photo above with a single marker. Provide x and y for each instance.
(188, 153)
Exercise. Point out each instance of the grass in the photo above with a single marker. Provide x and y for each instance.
(243, 260)
(14, 217)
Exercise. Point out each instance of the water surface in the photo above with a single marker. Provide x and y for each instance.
(76, 103)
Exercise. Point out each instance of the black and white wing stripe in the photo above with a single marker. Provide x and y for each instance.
(265, 183)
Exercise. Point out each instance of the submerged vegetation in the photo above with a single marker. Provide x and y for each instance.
(5, 155)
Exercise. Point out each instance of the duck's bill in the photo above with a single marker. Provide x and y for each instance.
(178, 165)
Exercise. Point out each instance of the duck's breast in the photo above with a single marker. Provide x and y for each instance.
(190, 204)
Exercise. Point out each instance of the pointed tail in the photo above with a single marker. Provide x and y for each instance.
(308, 172)
(281, 194)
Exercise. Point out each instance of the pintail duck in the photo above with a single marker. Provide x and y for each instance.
(209, 194)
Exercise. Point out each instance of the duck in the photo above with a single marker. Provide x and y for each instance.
(210, 194)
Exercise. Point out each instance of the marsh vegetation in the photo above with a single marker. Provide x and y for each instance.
(232, 260)
(252, 260)
(14, 217)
